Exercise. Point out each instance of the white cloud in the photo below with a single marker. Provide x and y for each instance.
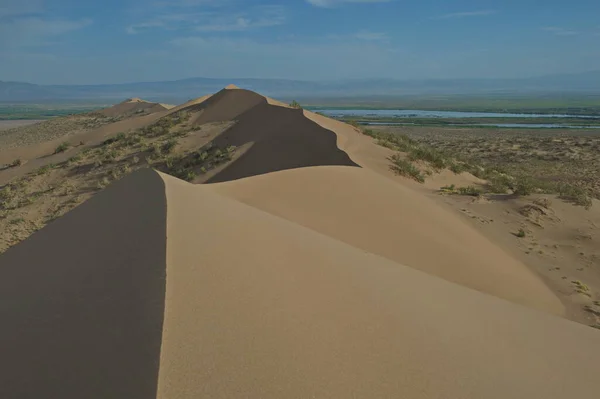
(465, 14)
(334, 3)
(560, 31)
(215, 20)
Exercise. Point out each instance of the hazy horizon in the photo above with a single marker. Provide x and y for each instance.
(124, 41)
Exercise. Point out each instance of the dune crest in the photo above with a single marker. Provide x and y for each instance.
(132, 107)
(134, 100)
(308, 270)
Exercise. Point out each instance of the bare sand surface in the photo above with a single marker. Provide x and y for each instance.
(360, 208)
(284, 311)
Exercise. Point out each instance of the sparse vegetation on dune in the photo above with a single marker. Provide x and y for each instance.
(295, 104)
(511, 163)
(54, 189)
(62, 147)
(405, 168)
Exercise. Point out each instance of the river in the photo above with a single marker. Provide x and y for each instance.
(401, 113)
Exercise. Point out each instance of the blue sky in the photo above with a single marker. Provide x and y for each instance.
(116, 41)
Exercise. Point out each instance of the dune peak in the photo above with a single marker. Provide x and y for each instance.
(135, 100)
(231, 87)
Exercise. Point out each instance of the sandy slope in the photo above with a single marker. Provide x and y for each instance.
(305, 280)
(256, 306)
(363, 209)
(260, 307)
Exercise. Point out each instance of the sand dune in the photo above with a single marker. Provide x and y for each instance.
(363, 209)
(255, 306)
(132, 107)
(272, 137)
(81, 301)
(307, 271)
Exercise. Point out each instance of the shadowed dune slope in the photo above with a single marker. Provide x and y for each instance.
(277, 137)
(82, 300)
(280, 138)
(260, 307)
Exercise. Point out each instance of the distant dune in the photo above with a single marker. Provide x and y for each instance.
(307, 270)
(132, 106)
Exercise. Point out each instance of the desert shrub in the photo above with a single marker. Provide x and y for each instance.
(168, 146)
(457, 168)
(523, 186)
(451, 187)
(202, 156)
(499, 183)
(521, 233)
(118, 137)
(295, 104)
(62, 148)
(386, 143)
(429, 155)
(44, 169)
(15, 163)
(369, 132)
(469, 190)
(74, 159)
(574, 194)
(186, 174)
(7, 194)
(405, 168)
(110, 156)
(132, 139)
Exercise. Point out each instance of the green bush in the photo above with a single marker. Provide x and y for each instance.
(498, 183)
(521, 233)
(62, 148)
(457, 168)
(429, 155)
(469, 190)
(169, 146)
(405, 168)
(295, 104)
(523, 187)
(574, 194)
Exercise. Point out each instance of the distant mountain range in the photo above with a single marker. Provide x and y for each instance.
(182, 90)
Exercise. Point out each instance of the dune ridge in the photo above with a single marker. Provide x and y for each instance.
(306, 269)
(256, 305)
(293, 313)
(132, 107)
